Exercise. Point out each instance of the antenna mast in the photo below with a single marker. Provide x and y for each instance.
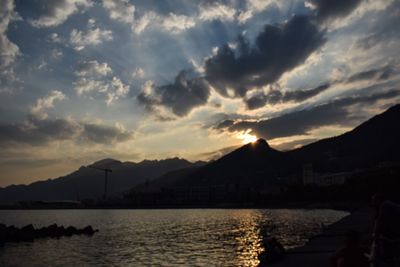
(106, 171)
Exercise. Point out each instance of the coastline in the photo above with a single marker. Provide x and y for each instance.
(306, 205)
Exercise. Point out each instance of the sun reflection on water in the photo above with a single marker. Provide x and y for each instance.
(248, 239)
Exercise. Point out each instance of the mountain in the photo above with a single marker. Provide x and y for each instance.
(258, 165)
(252, 165)
(88, 182)
(374, 141)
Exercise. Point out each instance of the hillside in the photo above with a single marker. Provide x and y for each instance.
(372, 142)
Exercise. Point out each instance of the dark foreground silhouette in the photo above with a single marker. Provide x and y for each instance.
(29, 233)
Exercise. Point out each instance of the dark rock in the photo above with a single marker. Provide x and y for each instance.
(71, 231)
(29, 233)
(88, 230)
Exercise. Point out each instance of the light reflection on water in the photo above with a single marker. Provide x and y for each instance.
(195, 237)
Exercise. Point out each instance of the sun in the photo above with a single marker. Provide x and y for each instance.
(246, 137)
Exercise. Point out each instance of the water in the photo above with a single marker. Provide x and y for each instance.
(191, 237)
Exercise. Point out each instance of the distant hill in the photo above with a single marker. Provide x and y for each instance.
(258, 165)
(89, 183)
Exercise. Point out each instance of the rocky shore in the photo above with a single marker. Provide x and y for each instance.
(28, 233)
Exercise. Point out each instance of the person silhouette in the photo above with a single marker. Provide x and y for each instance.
(386, 233)
(352, 254)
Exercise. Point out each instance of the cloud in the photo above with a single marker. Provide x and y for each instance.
(242, 69)
(275, 96)
(172, 23)
(116, 89)
(92, 36)
(55, 38)
(45, 103)
(255, 6)
(9, 80)
(303, 121)
(138, 73)
(36, 131)
(181, 97)
(143, 22)
(92, 76)
(294, 144)
(382, 73)
(177, 23)
(56, 53)
(120, 10)
(8, 50)
(224, 124)
(105, 134)
(385, 27)
(328, 9)
(214, 155)
(216, 11)
(56, 12)
(85, 85)
(278, 48)
(92, 68)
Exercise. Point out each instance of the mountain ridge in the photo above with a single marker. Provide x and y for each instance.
(260, 164)
(87, 182)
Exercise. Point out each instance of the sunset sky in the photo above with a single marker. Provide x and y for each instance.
(83, 80)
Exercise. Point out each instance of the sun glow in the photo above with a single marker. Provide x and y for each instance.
(246, 137)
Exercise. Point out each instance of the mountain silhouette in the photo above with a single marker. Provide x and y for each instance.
(375, 141)
(257, 164)
(88, 183)
(254, 164)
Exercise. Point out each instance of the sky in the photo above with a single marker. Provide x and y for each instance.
(83, 80)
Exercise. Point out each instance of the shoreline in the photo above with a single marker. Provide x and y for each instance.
(318, 249)
(341, 206)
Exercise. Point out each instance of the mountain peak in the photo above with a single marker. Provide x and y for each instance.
(261, 142)
(105, 162)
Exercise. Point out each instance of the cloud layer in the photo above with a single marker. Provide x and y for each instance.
(301, 122)
(38, 131)
(56, 12)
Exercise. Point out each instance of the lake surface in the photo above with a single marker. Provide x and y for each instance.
(184, 237)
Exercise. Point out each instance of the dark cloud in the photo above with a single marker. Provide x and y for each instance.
(36, 132)
(302, 121)
(233, 71)
(225, 124)
(278, 48)
(275, 96)
(301, 95)
(331, 9)
(104, 134)
(382, 73)
(41, 131)
(181, 97)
